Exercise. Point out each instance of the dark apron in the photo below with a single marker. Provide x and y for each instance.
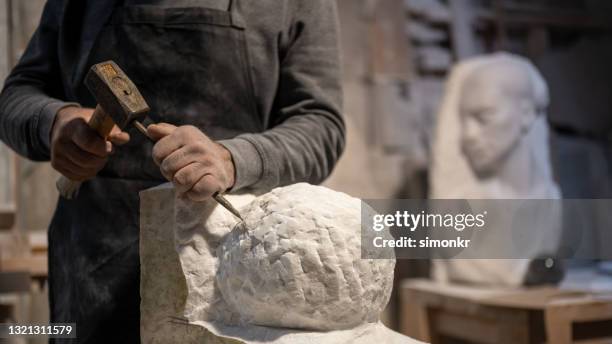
(191, 65)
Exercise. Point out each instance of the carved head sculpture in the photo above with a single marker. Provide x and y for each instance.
(297, 263)
(499, 101)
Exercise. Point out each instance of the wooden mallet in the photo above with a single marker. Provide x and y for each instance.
(120, 103)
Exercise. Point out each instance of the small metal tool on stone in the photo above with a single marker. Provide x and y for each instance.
(121, 103)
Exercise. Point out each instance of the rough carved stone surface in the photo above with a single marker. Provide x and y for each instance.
(297, 263)
(197, 289)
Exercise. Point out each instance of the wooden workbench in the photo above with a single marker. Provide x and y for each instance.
(27, 253)
(440, 313)
(35, 265)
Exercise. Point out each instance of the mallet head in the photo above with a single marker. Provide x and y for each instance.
(116, 93)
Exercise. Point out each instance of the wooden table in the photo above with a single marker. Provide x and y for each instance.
(439, 313)
(35, 265)
(30, 254)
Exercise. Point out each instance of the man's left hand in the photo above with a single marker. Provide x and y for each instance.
(198, 166)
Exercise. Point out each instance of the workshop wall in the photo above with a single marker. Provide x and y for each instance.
(27, 191)
(35, 186)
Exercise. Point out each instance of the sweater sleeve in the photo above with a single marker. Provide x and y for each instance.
(32, 92)
(307, 135)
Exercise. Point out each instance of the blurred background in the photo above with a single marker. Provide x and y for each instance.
(397, 55)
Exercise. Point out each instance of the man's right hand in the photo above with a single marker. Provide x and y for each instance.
(77, 151)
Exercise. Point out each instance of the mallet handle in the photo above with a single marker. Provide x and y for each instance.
(102, 124)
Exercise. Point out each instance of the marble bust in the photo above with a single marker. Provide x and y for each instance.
(491, 142)
(499, 103)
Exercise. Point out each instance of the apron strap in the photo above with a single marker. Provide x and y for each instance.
(237, 19)
(91, 30)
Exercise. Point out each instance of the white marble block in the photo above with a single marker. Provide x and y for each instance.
(291, 273)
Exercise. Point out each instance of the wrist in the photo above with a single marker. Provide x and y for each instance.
(59, 113)
(247, 161)
(229, 167)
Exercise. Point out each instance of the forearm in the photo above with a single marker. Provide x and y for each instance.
(26, 117)
(30, 98)
(303, 149)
